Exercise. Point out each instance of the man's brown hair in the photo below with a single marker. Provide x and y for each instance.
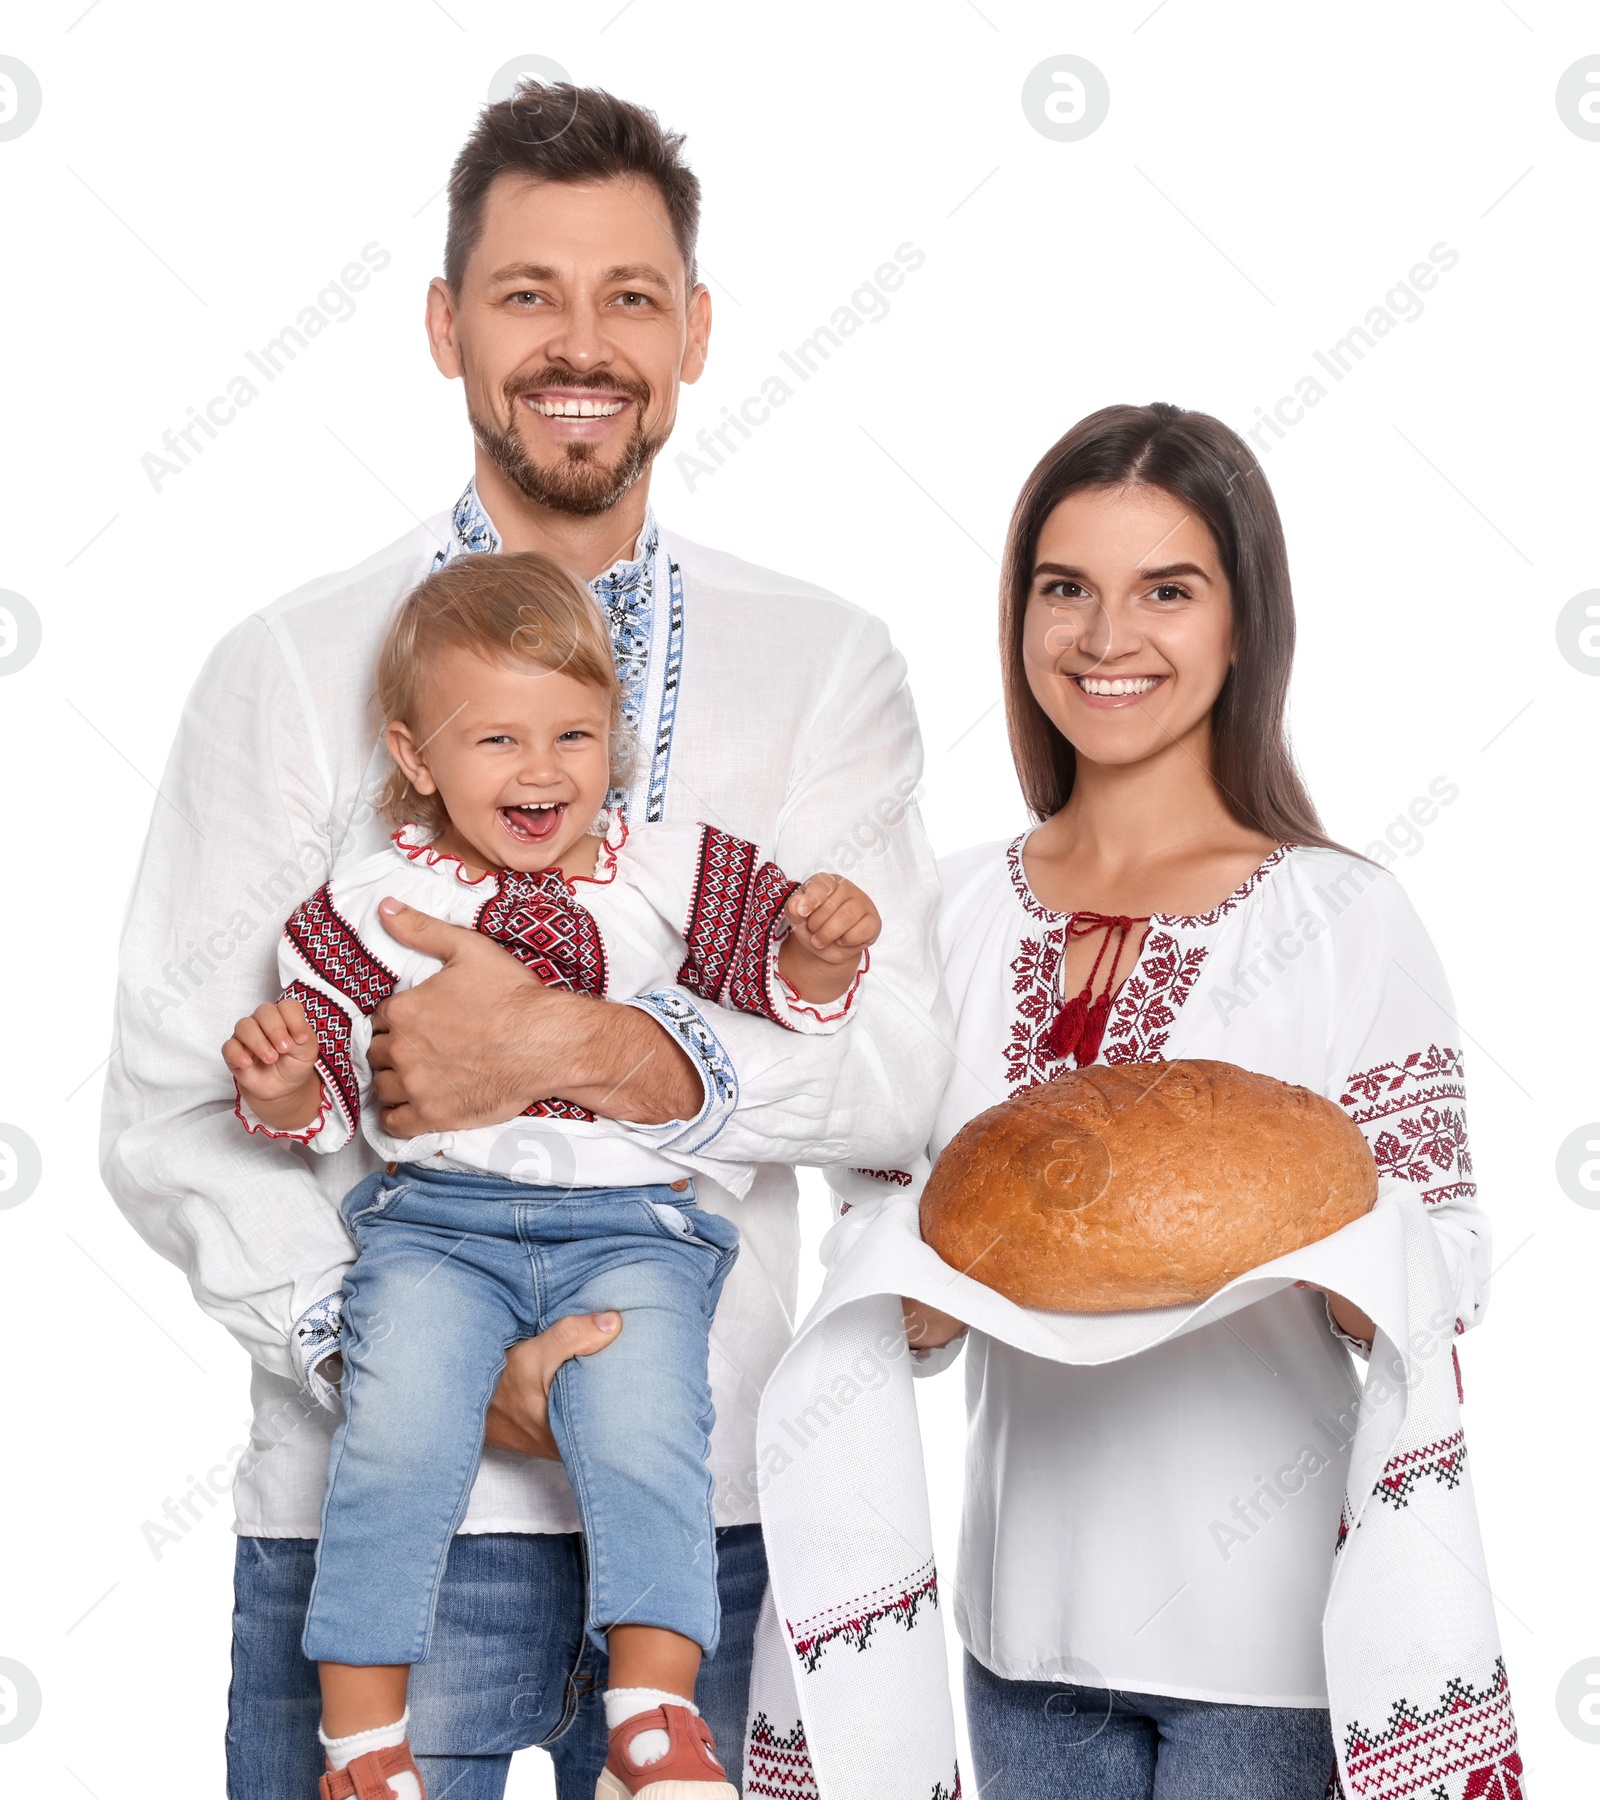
(558, 132)
(525, 608)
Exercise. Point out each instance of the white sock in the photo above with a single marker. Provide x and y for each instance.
(623, 1704)
(341, 1752)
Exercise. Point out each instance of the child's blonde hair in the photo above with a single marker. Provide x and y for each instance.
(521, 608)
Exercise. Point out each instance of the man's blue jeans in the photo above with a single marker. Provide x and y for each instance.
(1045, 1740)
(510, 1666)
(450, 1270)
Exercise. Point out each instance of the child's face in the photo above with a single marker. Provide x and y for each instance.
(519, 754)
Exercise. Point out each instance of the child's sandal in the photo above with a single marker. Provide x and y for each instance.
(689, 1770)
(369, 1777)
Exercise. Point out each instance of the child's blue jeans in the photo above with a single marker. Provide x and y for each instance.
(451, 1270)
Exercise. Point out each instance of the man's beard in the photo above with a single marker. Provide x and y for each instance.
(579, 482)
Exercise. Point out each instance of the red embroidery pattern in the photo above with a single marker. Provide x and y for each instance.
(1433, 1142)
(733, 915)
(330, 945)
(542, 923)
(1028, 1059)
(539, 921)
(1198, 921)
(1142, 1016)
(1443, 1460)
(1457, 1190)
(1019, 882)
(1416, 1134)
(556, 1109)
(855, 1621)
(778, 1767)
(711, 933)
(1146, 1005)
(1464, 1749)
(332, 1026)
(1425, 1068)
(747, 989)
(1188, 921)
(1149, 1000)
(898, 1176)
(1502, 1783)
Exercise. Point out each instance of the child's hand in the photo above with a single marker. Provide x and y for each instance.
(273, 1057)
(831, 923)
(833, 919)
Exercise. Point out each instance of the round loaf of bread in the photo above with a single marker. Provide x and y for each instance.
(1147, 1184)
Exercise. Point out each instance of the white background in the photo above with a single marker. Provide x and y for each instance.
(1265, 176)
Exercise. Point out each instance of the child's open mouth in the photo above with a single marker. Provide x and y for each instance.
(533, 824)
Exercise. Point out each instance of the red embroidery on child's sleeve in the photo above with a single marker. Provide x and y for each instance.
(734, 912)
(334, 951)
(334, 1062)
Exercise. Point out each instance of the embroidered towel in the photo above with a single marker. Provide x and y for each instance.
(850, 1692)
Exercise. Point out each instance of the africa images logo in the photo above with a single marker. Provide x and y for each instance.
(20, 98)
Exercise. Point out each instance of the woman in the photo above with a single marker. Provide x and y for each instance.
(1147, 1544)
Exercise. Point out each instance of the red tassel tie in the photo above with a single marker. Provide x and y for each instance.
(1077, 1030)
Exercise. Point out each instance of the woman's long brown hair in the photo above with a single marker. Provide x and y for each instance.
(1213, 472)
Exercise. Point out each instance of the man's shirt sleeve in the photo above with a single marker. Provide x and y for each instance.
(241, 834)
(866, 1095)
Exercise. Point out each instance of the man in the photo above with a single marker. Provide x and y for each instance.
(570, 310)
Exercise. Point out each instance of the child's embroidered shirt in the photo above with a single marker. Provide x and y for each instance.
(667, 904)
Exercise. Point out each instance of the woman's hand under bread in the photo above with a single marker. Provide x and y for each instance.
(1351, 1320)
(927, 1328)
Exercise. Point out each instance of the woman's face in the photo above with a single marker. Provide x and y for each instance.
(1128, 633)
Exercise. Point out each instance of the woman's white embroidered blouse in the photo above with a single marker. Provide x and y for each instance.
(1165, 1523)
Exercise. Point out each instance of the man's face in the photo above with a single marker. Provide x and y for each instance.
(573, 326)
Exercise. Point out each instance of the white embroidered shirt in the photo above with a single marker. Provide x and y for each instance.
(684, 903)
(1165, 1524)
(766, 707)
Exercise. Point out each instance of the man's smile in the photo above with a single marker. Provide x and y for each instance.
(576, 406)
(576, 415)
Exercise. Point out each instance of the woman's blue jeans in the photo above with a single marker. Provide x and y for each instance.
(1045, 1740)
(451, 1270)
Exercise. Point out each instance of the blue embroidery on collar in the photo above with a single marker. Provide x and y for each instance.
(473, 532)
(661, 756)
(626, 593)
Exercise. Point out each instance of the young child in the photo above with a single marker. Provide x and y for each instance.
(503, 717)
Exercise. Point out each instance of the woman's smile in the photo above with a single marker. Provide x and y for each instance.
(1107, 692)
